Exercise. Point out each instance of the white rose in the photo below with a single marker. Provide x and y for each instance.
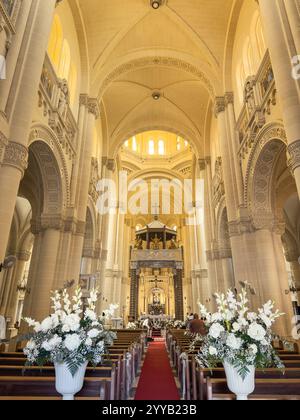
(72, 342)
(216, 317)
(88, 342)
(256, 332)
(253, 348)
(72, 322)
(236, 327)
(91, 315)
(52, 344)
(66, 329)
(216, 330)
(233, 342)
(93, 333)
(213, 351)
(47, 324)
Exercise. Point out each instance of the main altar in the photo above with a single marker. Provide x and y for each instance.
(156, 271)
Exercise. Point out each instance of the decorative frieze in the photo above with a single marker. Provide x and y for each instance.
(16, 155)
(3, 144)
(200, 274)
(218, 254)
(218, 183)
(294, 156)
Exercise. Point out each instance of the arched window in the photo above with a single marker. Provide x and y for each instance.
(151, 147)
(56, 41)
(65, 61)
(178, 144)
(126, 144)
(72, 83)
(134, 144)
(161, 147)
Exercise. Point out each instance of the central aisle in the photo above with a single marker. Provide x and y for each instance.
(157, 382)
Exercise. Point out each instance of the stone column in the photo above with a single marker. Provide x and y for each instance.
(225, 146)
(12, 297)
(42, 275)
(15, 156)
(280, 22)
(89, 111)
(259, 260)
(233, 140)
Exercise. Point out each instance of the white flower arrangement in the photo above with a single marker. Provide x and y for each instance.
(237, 336)
(69, 335)
(132, 326)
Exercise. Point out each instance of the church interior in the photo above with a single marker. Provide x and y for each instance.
(188, 113)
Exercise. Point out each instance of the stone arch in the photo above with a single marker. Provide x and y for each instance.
(223, 236)
(52, 192)
(89, 236)
(43, 134)
(259, 192)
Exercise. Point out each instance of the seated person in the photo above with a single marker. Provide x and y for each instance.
(197, 326)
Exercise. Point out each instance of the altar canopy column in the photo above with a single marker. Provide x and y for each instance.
(16, 153)
(282, 22)
(134, 291)
(178, 285)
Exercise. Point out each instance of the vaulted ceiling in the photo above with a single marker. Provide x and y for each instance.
(135, 50)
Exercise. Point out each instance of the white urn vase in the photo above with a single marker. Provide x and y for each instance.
(66, 384)
(242, 388)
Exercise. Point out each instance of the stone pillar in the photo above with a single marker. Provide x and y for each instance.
(225, 146)
(89, 112)
(280, 23)
(12, 297)
(233, 140)
(15, 156)
(42, 275)
(259, 260)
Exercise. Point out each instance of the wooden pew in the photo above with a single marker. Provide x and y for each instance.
(286, 388)
(100, 388)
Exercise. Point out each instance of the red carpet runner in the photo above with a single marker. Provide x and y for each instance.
(157, 382)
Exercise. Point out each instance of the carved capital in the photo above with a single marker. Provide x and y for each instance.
(294, 156)
(80, 228)
(23, 255)
(83, 99)
(241, 226)
(16, 155)
(46, 222)
(220, 105)
(229, 98)
(93, 107)
(111, 164)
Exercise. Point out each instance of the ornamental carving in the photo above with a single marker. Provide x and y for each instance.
(16, 155)
(294, 155)
(94, 179)
(259, 189)
(220, 105)
(218, 183)
(93, 107)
